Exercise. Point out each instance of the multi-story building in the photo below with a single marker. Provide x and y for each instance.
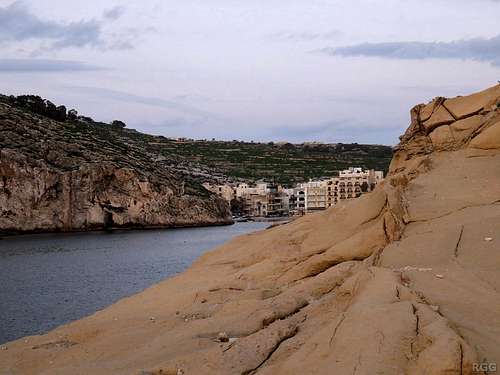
(298, 207)
(244, 189)
(265, 199)
(315, 195)
(255, 205)
(351, 183)
(262, 200)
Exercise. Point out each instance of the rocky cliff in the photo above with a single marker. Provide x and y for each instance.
(404, 280)
(81, 175)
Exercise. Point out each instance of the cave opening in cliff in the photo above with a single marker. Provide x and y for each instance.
(108, 220)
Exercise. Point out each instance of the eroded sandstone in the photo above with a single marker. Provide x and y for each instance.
(404, 280)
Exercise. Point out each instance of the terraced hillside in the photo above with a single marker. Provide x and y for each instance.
(404, 280)
(284, 163)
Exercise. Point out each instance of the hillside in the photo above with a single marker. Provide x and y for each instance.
(65, 173)
(404, 280)
(284, 163)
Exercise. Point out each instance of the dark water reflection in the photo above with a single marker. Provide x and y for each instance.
(48, 280)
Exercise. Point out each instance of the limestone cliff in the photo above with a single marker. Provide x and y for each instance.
(67, 176)
(404, 280)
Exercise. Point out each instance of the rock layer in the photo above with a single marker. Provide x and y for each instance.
(404, 280)
(69, 176)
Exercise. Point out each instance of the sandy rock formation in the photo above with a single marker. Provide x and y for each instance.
(66, 176)
(404, 280)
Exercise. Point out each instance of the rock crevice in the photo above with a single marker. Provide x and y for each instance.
(387, 283)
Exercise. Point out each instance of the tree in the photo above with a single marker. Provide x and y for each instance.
(118, 123)
(85, 119)
(72, 114)
(50, 109)
(61, 113)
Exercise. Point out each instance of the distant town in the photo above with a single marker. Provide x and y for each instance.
(268, 200)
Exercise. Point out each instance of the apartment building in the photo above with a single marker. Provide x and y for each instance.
(315, 194)
(264, 199)
(255, 205)
(351, 183)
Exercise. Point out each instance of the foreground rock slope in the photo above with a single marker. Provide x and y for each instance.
(74, 175)
(404, 280)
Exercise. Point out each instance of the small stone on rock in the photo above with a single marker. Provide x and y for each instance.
(4, 348)
(488, 239)
(440, 276)
(434, 308)
(223, 337)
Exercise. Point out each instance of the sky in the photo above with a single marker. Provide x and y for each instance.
(261, 70)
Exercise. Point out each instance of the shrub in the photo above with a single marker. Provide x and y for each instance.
(119, 124)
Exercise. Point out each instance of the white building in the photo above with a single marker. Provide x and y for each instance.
(315, 195)
(244, 189)
(265, 199)
(351, 183)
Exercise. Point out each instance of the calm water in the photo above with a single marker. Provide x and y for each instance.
(48, 280)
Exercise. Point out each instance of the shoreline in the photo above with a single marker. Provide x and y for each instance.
(403, 280)
(11, 234)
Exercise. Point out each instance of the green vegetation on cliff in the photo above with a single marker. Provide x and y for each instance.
(284, 163)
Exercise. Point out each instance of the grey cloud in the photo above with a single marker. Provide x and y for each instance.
(336, 131)
(307, 36)
(18, 23)
(479, 49)
(344, 130)
(39, 65)
(114, 13)
(151, 101)
(310, 131)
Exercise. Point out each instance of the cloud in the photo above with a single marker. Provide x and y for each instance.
(39, 65)
(306, 36)
(345, 130)
(151, 101)
(18, 23)
(114, 13)
(478, 49)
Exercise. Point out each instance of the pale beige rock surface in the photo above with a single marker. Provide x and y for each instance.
(400, 281)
